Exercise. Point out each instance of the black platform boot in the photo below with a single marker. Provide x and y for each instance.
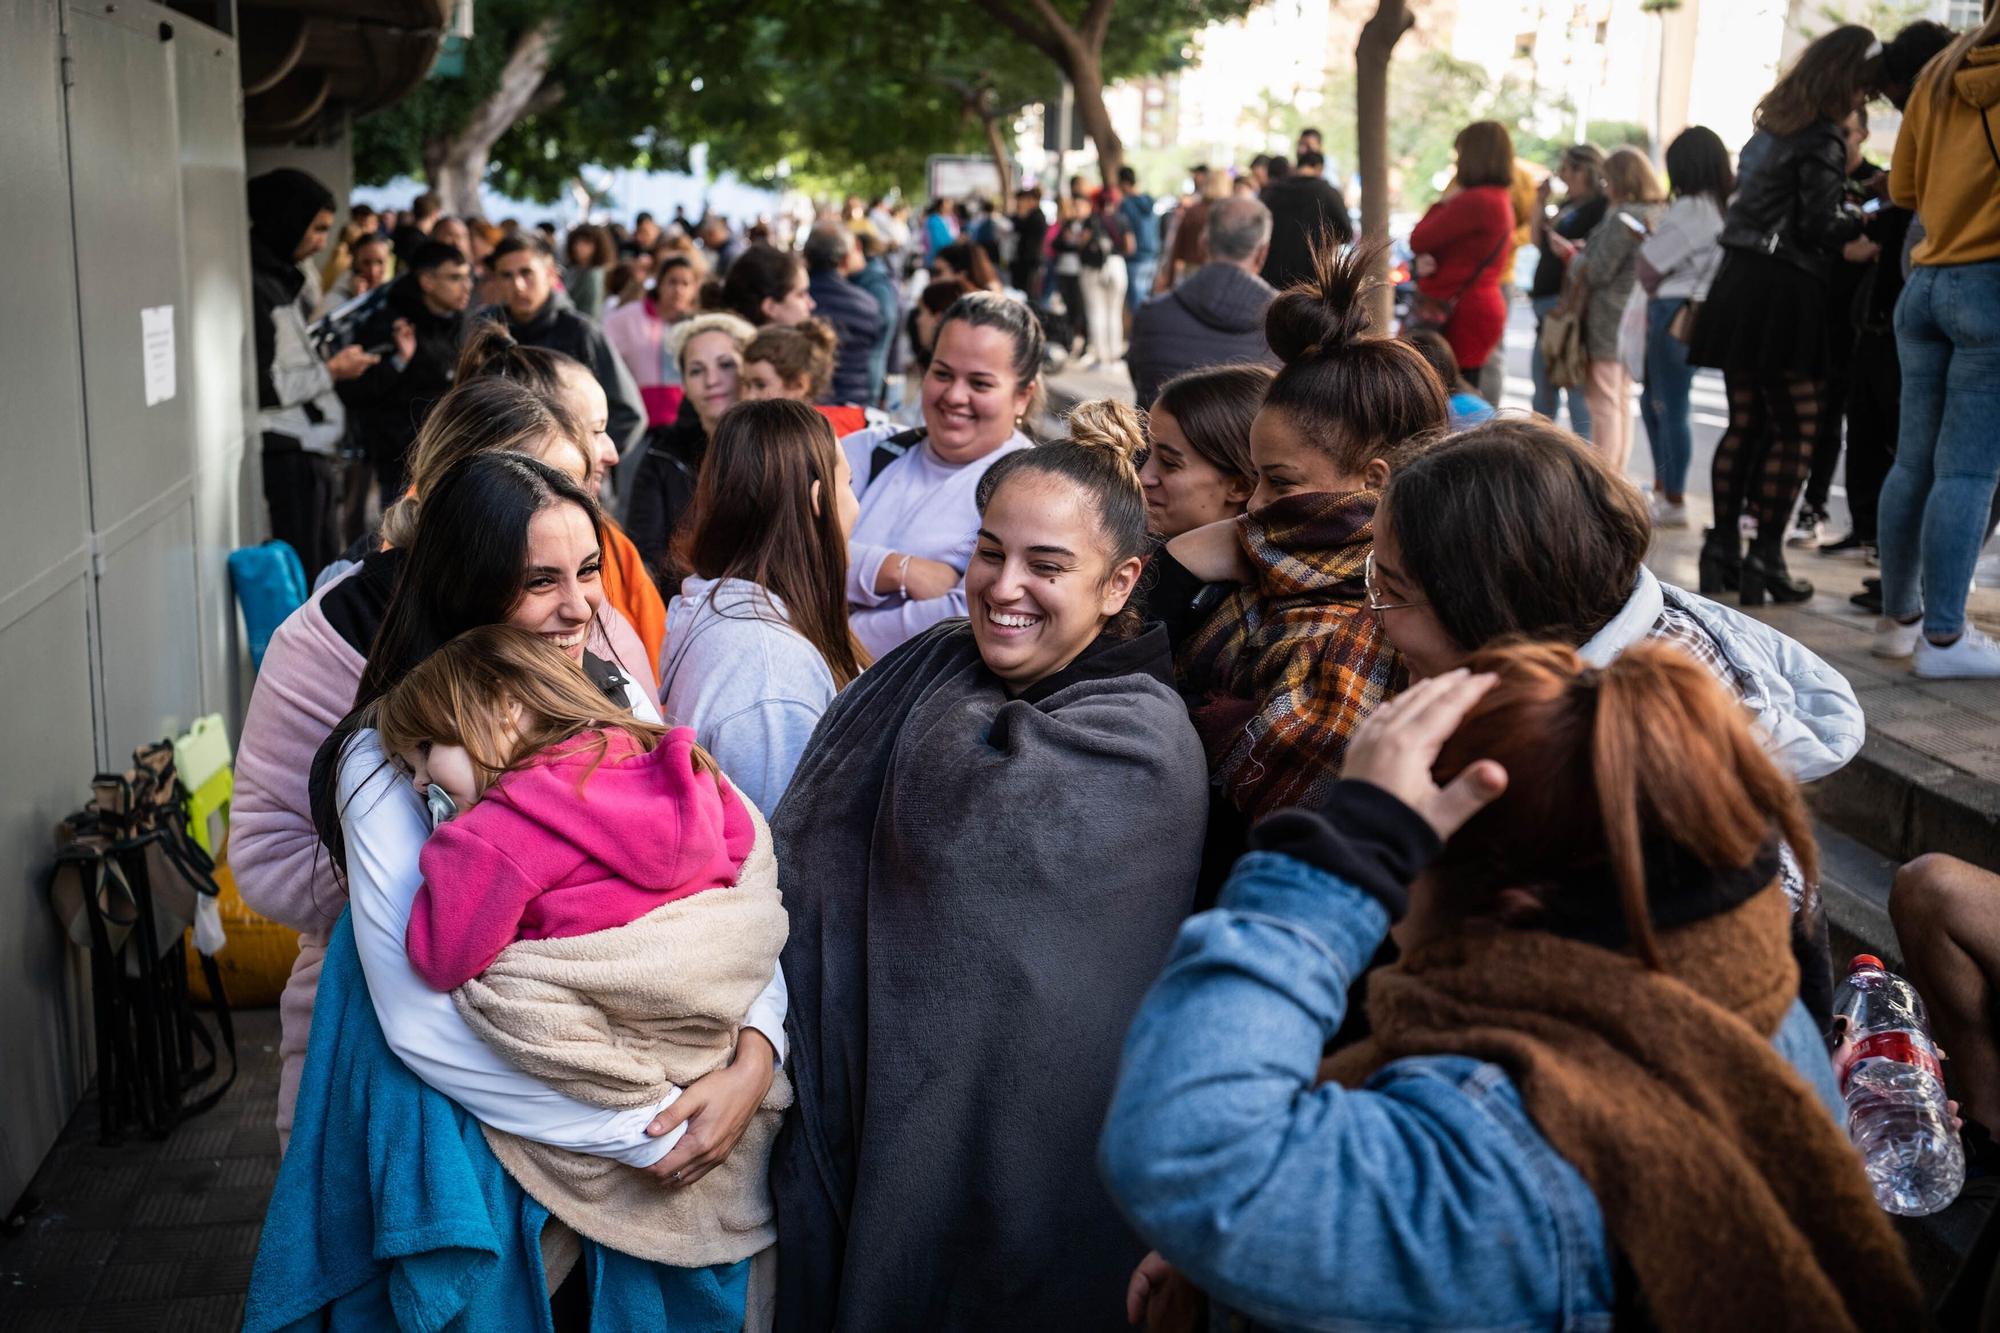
(1764, 574)
(1721, 559)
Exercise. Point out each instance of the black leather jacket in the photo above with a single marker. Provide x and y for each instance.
(1790, 203)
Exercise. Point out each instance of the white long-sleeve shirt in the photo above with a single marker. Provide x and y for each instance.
(385, 827)
(919, 505)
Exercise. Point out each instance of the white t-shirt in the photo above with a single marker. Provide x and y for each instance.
(919, 505)
(1685, 248)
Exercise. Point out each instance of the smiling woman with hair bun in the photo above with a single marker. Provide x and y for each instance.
(914, 1189)
(1280, 670)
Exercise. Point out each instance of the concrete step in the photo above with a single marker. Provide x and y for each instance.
(1903, 802)
(1854, 883)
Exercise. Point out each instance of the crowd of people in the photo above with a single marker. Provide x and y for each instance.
(775, 852)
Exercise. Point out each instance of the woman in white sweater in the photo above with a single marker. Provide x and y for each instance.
(758, 640)
(918, 519)
(1676, 265)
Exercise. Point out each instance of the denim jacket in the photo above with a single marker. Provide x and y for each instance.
(1425, 1200)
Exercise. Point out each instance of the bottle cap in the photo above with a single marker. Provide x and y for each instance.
(1862, 960)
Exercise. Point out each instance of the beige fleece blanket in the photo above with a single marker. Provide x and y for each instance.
(613, 1018)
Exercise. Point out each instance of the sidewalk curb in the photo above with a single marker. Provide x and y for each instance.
(1903, 803)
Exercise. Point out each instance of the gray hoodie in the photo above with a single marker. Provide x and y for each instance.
(750, 685)
(1214, 318)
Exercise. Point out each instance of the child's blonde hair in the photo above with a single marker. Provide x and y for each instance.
(505, 695)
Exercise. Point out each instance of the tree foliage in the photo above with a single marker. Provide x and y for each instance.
(839, 94)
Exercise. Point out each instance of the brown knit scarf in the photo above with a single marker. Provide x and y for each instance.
(1738, 1203)
(1289, 665)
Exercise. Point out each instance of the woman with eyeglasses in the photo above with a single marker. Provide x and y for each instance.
(1457, 568)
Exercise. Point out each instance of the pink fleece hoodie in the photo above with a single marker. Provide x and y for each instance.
(538, 859)
(306, 686)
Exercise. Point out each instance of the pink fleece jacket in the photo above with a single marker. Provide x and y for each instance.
(549, 852)
(639, 336)
(306, 685)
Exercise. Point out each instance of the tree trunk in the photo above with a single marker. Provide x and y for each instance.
(1078, 51)
(454, 165)
(1087, 77)
(1003, 161)
(1379, 36)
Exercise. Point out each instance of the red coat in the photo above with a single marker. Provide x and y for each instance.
(1461, 233)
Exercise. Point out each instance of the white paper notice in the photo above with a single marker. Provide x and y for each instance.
(156, 330)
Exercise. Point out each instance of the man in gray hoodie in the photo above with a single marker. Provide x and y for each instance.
(1216, 316)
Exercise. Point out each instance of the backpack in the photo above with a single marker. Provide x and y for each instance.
(270, 584)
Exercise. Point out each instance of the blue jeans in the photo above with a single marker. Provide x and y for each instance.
(1663, 404)
(1547, 395)
(1935, 502)
(1139, 285)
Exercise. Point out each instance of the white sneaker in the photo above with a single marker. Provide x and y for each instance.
(1972, 655)
(1894, 639)
(1667, 514)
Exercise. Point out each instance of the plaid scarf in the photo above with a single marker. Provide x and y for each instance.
(1288, 666)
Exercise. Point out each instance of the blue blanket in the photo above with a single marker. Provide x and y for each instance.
(391, 1212)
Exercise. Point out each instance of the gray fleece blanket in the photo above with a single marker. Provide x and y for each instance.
(981, 890)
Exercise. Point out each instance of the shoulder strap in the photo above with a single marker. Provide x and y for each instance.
(892, 449)
(605, 676)
(1466, 286)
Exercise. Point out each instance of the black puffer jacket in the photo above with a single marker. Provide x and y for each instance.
(387, 405)
(560, 328)
(1215, 318)
(1791, 202)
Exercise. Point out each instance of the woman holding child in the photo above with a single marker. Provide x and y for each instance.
(393, 1205)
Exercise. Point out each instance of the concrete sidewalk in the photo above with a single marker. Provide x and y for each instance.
(1928, 777)
(149, 1234)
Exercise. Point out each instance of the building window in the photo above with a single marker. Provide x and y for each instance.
(1963, 14)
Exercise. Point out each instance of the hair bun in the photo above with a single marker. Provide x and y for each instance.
(490, 346)
(1111, 425)
(819, 333)
(1328, 311)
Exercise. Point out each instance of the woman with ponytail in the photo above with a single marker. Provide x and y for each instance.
(560, 378)
(1282, 669)
(1517, 529)
(1014, 807)
(1591, 1098)
(423, 1188)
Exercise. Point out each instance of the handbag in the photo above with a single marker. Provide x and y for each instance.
(128, 881)
(1565, 359)
(1434, 312)
(1681, 327)
(1632, 333)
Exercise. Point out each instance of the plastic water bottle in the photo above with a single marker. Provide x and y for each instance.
(1889, 1073)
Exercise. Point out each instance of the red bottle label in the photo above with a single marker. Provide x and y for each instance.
(1898, 1046)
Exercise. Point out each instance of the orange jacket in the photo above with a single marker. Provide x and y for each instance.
(629, 587)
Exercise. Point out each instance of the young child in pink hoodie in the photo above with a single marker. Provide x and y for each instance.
(561, 813)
